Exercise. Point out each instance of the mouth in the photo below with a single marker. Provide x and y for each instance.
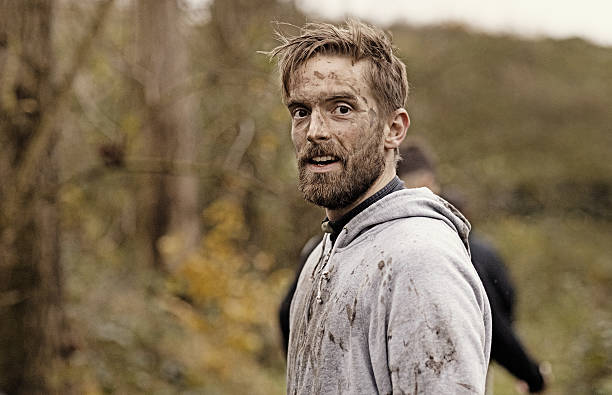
(323, 163)
(323, 160)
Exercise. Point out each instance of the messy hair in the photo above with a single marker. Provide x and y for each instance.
(386, 74)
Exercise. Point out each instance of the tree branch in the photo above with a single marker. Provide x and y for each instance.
(35, 150)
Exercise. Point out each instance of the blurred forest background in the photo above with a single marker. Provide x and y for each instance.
(149, 216)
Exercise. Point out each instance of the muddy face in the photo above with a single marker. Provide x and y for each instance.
(336, 131)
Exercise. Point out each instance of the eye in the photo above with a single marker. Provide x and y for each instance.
(299, 113)
(342, 109)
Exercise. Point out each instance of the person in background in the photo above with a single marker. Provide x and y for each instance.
(418, 169)
(389, 301)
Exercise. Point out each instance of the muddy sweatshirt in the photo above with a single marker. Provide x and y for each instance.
(394, 306)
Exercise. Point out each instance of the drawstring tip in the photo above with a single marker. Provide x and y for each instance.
(326, 227)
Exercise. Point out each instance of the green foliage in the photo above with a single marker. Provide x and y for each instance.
(515, 115)
(562, 266)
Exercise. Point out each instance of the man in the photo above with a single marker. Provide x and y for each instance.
(418, 169)
(388, 302)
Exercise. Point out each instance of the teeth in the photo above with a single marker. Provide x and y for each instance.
(322, 158)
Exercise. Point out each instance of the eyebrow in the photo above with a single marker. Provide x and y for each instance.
(294, 103)
(343, 95)
(336, 96)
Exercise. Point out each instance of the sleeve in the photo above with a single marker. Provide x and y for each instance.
(285, 306)
(433, 315)
(507, 349)
(283, 311)
(488, 263)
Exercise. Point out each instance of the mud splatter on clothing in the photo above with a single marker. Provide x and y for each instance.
(400, 310)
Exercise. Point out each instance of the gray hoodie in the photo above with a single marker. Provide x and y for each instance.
(394, 307)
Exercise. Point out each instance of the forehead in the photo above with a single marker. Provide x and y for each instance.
(324, 73)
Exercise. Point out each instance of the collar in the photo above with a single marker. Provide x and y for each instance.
(335, 227)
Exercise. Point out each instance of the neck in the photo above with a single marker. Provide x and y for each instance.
(382, 180)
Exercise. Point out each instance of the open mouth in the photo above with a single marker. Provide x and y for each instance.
(323, 160)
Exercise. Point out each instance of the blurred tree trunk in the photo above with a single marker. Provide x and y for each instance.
(31, 314)
(169, 202)
(34, 335)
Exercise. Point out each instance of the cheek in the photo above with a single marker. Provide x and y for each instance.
(297, 138)
(356, 131)
(373, 118)
(346, 127)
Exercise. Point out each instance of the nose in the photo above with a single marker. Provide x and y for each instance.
(318, 129)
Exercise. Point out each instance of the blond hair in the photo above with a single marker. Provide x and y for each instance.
(386, 74)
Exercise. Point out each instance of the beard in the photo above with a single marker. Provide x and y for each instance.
(338, 189)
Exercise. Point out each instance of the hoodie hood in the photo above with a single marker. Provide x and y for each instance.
(414, 202)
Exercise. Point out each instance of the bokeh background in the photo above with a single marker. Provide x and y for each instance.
(149, 216)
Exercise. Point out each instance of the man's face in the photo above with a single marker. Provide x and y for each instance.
(336, 130)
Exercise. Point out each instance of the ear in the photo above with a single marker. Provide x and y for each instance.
(399, 122)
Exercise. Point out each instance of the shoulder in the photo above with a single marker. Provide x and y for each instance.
(419, 239)
(429, 255)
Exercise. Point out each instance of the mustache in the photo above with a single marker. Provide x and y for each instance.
(326, 148)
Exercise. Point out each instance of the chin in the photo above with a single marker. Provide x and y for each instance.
(328, 196)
